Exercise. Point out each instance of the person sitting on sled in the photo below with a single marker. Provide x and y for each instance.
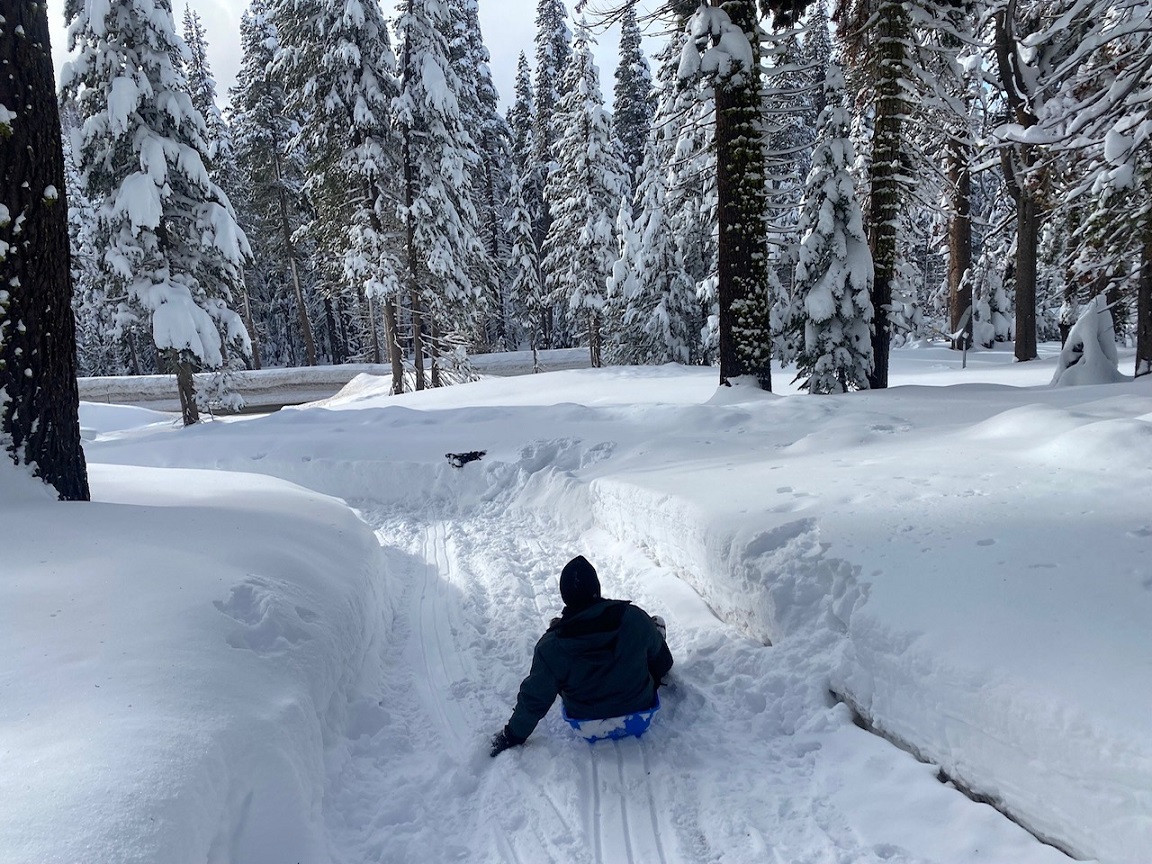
(604, 658)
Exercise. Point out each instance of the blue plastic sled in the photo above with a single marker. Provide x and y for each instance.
(614, 728)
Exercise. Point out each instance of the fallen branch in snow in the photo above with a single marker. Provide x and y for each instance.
(459, 460)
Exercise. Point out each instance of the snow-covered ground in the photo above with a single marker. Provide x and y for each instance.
(218, 662)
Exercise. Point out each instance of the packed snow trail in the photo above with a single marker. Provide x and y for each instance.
(748, 761)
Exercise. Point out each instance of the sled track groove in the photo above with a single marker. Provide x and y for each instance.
(435, 637)
(653, 810)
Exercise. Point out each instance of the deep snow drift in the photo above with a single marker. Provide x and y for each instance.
(216, 665)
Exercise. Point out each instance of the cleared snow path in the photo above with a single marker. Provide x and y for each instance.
(749, 761)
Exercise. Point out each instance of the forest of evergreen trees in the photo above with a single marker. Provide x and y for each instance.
(781, 187)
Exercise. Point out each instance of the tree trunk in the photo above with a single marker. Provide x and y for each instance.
(1144, 307)
(1017, 162)
(185, 386)
(1027, 248)
(133, 354)
(594, 343)
(336, 352)
(960, 243)
(434, 353)
(418, 341)
(290, 252)
(395, 355)
(39, 423)
(884, 203)
(377, 355)
(742, 274)
(248, 324)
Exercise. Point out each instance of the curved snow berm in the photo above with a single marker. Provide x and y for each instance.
(181, 712)
(962, 620)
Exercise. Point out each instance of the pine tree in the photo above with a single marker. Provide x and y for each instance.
(203, 89)
(171, 244)
(685, 123)
(522, 119)
(270, 170)
(39, 423)
(553, 49)
(828, 326)
(634, 103)
(523, 273)
(438, 158)
(655, 295)
(337, 62)
(583, 194)
(491, 173)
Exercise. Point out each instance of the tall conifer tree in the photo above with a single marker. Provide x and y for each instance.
(39, 424)
(170, 241)
(634, 102)
(583, 193)
(828, 327)
(438, 158)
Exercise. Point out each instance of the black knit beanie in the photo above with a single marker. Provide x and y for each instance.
(579, 585)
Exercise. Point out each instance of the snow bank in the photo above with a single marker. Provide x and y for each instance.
(183, 709)
(968, 565)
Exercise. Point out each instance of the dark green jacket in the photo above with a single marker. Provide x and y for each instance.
(603, 661)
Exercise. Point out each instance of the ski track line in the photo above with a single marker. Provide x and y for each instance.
(429, 617)
(598, 840)
(653, 810)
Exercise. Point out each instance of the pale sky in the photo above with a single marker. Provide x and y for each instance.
(509, 27)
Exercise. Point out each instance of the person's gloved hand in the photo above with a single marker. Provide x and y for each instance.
(504, 739)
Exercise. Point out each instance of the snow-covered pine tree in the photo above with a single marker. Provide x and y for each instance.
(653, 295)
(221, 161)
(522, 119)
(97, 353)
(268, 169)
(480, 113)
(438, 155)
(39, 424)
(789, 128)
(828, 326)
(337, 62)
(202, 87)
(523, 272)
(583, 195)
(171, 244)
(633, 100)
(553, 49)
(685, 122)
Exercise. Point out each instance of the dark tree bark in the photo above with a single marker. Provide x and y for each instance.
(39, 400)
(395, 355)
(892, 34)
(742, 273)
(249, 324)
(1144, 307)
(960, 242)
(418, 342)
(185, 386)
(1018, 163)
